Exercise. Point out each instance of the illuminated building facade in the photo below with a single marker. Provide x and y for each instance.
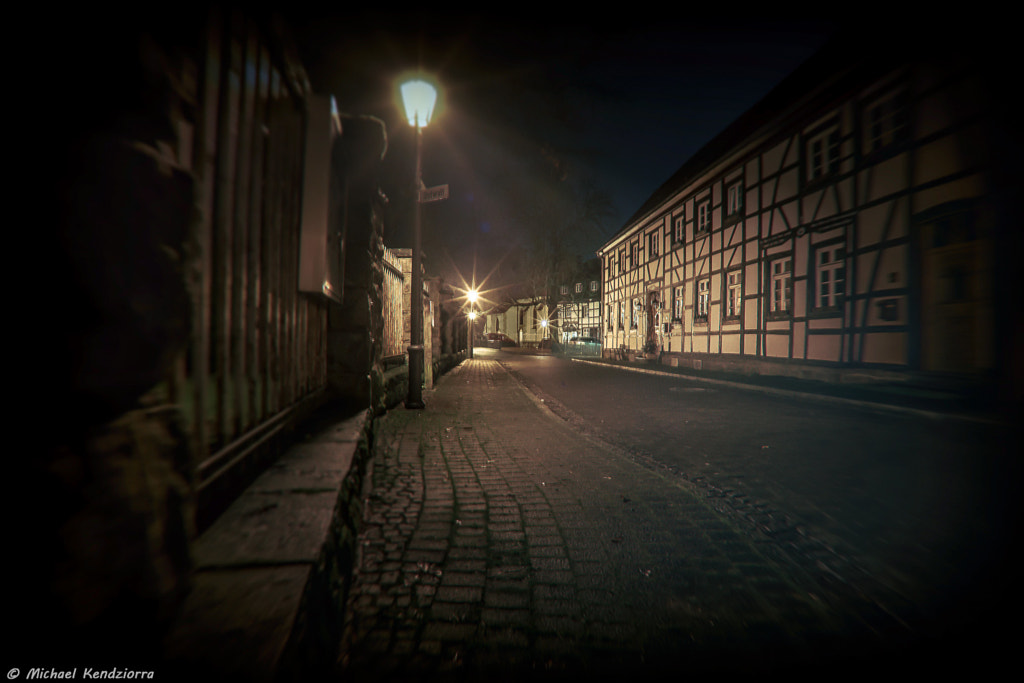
(848, 221)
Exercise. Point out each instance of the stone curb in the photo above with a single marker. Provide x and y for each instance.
(270, 574)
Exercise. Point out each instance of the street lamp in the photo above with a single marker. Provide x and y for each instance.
(418, 98)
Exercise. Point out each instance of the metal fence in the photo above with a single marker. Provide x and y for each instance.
(259, 346)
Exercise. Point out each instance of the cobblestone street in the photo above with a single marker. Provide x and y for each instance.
(500, 542)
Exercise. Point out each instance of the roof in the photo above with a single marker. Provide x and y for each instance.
(841, 64)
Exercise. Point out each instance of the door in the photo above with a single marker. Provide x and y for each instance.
(956, 297)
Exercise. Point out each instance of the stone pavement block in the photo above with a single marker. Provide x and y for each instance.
(459, 593)
(455, 611)
(464, 576)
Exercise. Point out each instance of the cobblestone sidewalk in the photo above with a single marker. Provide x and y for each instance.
(501, 544)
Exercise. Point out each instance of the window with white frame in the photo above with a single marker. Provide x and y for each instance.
(677, 302)
(578, 288)
(622, 260)
(611, 320)
(733, 294)
(652, 244)
(564, 289)
(678, 229)
(618, 314)
(703, 302)
(593, 285)
(830, 276)
(885, 122)
(781, 285)
(704, 215)
(635, 320)
(823, 154)
(734, 199)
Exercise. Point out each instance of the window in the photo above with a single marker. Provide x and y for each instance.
(677, 303)
(781, 286)
(652, 245)
(734, 200)
(885, 122)
(611, 320)
(704, 216)
(734, 294)
(830, 274)
(636, 314)
(618, 314)
(634, 255)
(622, 260)
(578, 288)
(823, 154)
(679, 229)
(703, 299)
(564, 290)
(593, 285)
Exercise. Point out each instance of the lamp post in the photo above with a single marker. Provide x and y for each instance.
(418, 98)
(472, 296)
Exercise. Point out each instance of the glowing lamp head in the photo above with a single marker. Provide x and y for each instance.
(418, 98)
(472, 296)
(472, 315)
(543, 323)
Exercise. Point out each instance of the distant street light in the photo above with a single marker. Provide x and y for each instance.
(418, 98)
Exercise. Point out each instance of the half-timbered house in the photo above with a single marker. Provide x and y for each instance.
(846, 221)
(576, 310)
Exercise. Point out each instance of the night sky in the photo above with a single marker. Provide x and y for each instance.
(529, 108)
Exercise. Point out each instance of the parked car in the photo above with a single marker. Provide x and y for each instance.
(583, 346)
(497, 340)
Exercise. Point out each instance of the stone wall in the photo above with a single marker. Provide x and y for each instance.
(356, 327)
(103, 553)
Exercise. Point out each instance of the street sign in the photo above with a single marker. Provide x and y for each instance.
(433, 194)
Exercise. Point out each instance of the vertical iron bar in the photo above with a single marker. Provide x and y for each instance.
(255, 296)
(201, 281)
(240, 261)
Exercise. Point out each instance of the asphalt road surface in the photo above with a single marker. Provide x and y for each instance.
(914, 515)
